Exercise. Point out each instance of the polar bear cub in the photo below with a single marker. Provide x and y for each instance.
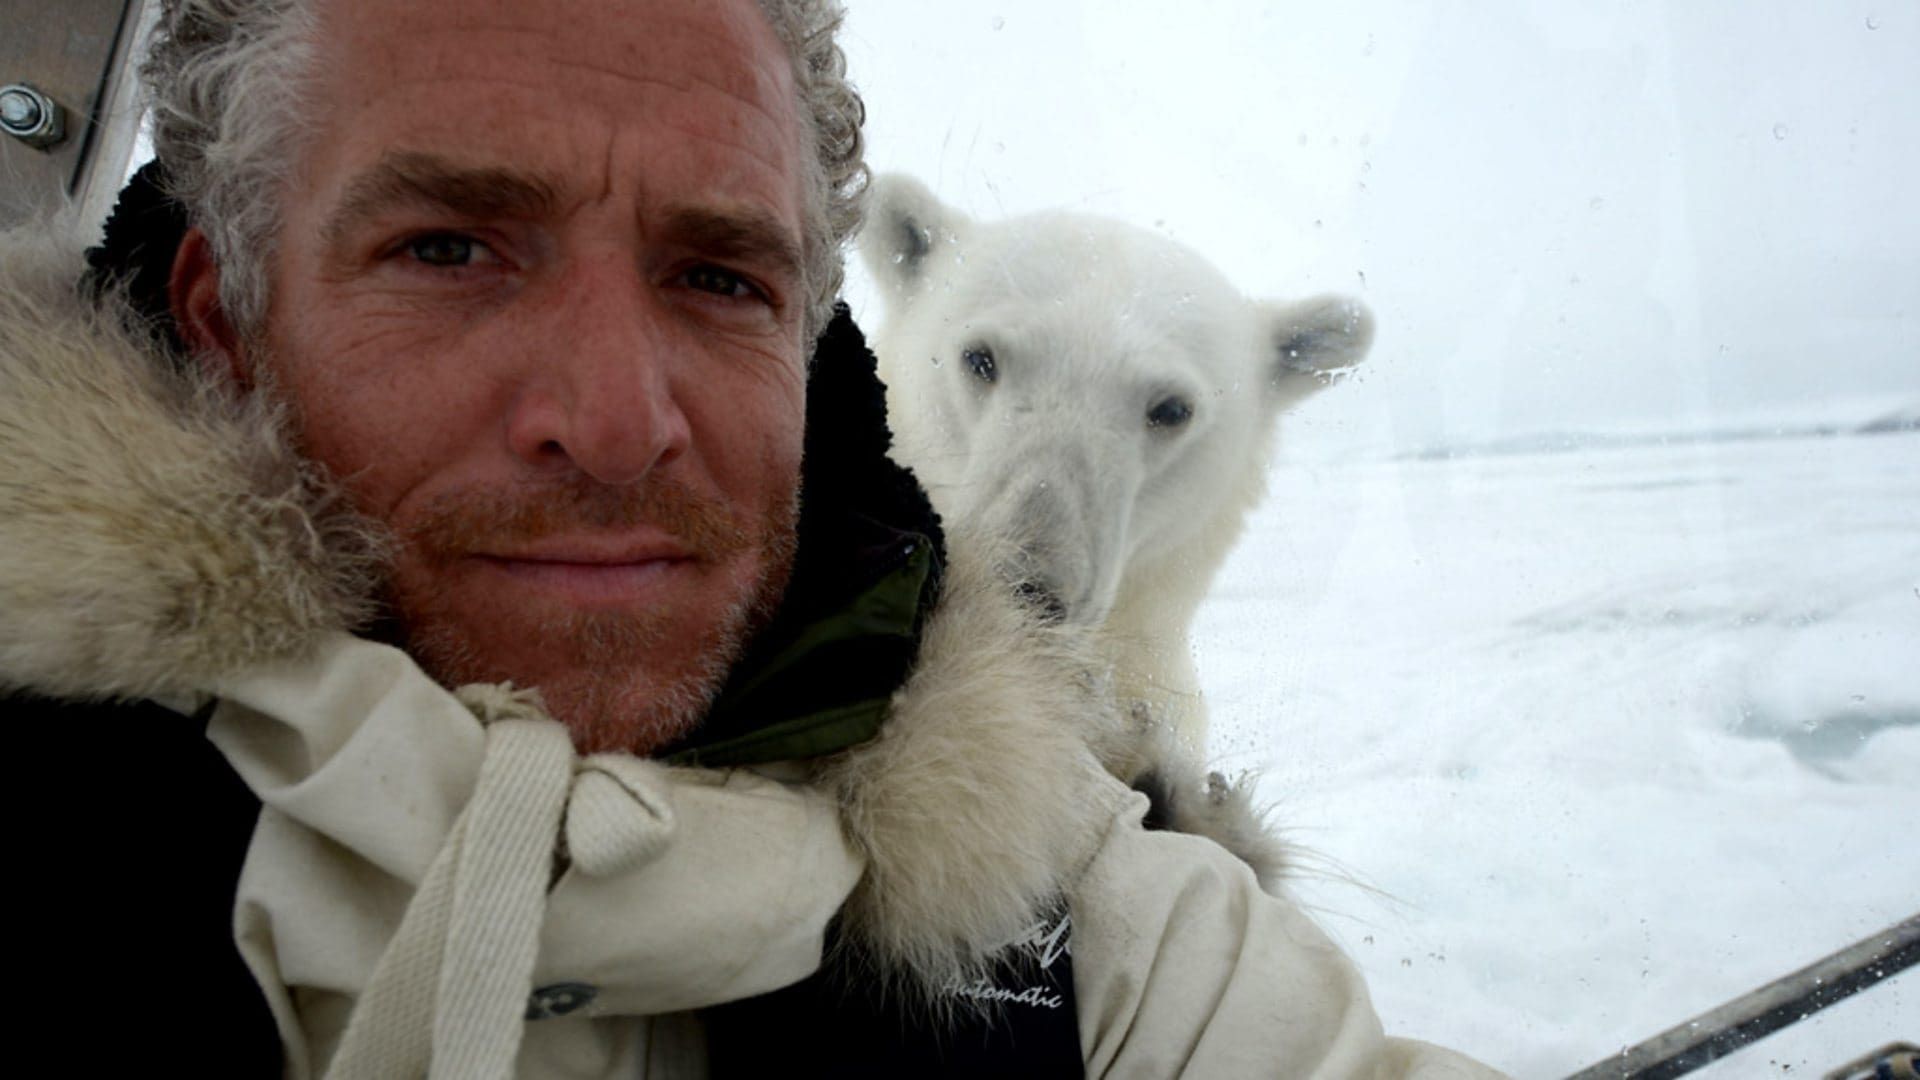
(1104, 398)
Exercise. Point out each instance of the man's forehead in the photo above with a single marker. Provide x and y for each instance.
(620, 40)
(536, 103)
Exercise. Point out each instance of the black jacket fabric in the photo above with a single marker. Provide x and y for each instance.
(130, 864)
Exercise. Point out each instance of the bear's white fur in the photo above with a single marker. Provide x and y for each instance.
(1102, 396)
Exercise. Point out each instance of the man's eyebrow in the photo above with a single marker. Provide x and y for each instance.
(406, 178)
(743, 232)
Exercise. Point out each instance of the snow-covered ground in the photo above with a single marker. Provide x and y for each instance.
(1589, 742)
(1599, 738)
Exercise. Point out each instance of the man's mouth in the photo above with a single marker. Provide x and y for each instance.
(588, 550)
(592, 571)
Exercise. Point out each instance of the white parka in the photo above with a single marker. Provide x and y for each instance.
(399, 903)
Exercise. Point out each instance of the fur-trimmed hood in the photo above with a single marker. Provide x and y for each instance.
(162, 539)
(159, 533)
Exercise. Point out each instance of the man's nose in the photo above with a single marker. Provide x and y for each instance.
(601, 396)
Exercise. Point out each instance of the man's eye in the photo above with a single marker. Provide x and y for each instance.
(713, 279)
(445, 249)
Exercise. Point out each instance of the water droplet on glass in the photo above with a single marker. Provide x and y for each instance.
(899, 257)
(1780, 132)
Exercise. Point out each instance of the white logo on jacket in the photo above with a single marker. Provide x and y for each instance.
(1044, 944)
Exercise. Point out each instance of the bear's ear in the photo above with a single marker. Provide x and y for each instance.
(906, 227)
(1314, 339)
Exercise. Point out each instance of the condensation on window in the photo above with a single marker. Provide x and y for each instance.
(1574, 636)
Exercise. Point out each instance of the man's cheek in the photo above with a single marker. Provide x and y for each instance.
(371, 345)
(375, 453)
(364, 331)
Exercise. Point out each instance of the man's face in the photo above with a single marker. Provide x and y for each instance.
(537, 304)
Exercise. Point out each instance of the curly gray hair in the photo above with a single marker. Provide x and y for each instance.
(227, 77)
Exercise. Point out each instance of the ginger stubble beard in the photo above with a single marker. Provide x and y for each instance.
(608, 698)
(606, 692)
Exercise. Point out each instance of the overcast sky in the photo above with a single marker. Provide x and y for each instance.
(1634, 215)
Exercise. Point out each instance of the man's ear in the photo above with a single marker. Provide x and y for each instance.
(907, 227)
(193, 291)
(1313, 340)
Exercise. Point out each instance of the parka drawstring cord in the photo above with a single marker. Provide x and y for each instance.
(448, 998)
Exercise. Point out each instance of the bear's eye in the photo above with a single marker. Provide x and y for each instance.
(979, 360)
(1169, 412)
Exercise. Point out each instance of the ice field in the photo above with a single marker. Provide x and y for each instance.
(1587, 742)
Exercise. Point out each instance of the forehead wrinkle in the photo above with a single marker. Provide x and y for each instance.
(761, 151)
(703, 129)
(787, 121)
(749, 98)
(758, 152)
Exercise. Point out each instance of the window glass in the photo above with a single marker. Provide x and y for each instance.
(1576, 635)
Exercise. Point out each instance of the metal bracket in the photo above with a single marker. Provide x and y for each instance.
(31, 116)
